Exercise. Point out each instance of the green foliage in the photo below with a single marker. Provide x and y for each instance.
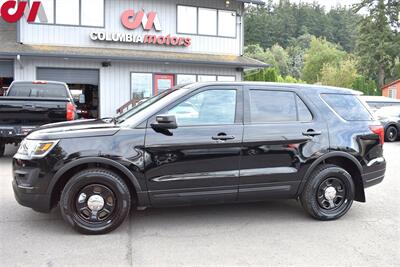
(378, 45)
(342, 74)
(269, 75)
(321, 52)
(276, 56)
(367, 86)
(281, 22)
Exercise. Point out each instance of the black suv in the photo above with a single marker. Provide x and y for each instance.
(206, 143)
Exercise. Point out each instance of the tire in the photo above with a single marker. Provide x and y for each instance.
(391, 134)
(85, 193)
(317, 198)
(2, 149)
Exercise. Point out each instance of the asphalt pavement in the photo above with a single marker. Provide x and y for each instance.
(262, 234)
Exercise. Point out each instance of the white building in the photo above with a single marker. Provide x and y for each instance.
(113, 51)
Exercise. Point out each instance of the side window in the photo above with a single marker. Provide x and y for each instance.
(207, 108)
(272, 106)
(304, 112)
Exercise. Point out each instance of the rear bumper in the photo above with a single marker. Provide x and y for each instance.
(375, 173)
(25, 197)
(14, 133)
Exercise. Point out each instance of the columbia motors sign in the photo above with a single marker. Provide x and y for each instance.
(132, 20)
(11, 11)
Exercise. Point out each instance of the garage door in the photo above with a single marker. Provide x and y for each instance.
(6, 69)
(70, 76)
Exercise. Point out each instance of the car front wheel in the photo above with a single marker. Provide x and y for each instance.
(95, 201)
(392, 134)
(329, 193)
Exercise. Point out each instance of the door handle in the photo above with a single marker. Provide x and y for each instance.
(223, 137)
(312, 133)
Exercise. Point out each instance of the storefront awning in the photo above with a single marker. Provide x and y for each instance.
(133, 55)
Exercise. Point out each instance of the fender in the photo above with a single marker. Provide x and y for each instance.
(325, 157)
(87, 160)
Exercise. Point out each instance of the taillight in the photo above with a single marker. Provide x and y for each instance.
(379, 130)
(70, 112)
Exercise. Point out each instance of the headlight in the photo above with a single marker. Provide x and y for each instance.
(36, 148)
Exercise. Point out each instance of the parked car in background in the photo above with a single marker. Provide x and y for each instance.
(390, 118)
(206, 143)
(30, 104)
(377, 102)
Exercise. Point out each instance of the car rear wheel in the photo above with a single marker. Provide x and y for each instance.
(95, 201)
(329, 193)
(2, 149)
(392, 134)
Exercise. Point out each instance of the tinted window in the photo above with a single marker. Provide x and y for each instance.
(272, 106)
(304, 112)
(38, 90)
(208, 107)
(349, 107)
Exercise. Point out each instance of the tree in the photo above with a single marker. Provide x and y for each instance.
(378, 44)
(342, 74)
(296, 51)
(321, 52)
(367, 86)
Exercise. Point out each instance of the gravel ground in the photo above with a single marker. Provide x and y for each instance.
(267, 234)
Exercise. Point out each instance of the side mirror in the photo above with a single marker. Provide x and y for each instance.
(165, 122)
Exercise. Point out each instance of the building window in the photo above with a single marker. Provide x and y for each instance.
(92, 13)
(66, 12)
(226, 23)
(185, 78)
(226, 78)
(207, 78)
(72, 12)
(392, 92)
(187, 19)
(206, 21)
(141, 85)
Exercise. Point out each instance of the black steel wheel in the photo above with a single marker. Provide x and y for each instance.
(391, 134)
(329, 193)
(95, 201)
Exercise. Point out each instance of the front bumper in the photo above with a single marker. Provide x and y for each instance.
(25, 197)
(30, 182)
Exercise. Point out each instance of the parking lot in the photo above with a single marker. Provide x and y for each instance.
(267, 234)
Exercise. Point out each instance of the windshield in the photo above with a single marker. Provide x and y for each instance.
(145, 104)
(38, 90)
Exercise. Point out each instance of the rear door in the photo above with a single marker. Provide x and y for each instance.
(282, 134)
(199, 161)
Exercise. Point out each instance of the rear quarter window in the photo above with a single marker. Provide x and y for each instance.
(349, 107)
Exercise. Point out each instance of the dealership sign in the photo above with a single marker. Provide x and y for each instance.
(11, 11)
(132, 21)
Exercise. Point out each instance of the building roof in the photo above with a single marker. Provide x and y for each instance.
(391, 83)
(257, 2)
(10, 48)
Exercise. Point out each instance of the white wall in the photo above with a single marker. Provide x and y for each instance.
(166, 9)
(115, 80)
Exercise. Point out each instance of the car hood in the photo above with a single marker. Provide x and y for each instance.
(75, 129)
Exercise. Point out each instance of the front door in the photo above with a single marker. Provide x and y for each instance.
(282, 134)
(199, 161)
(163, 82)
